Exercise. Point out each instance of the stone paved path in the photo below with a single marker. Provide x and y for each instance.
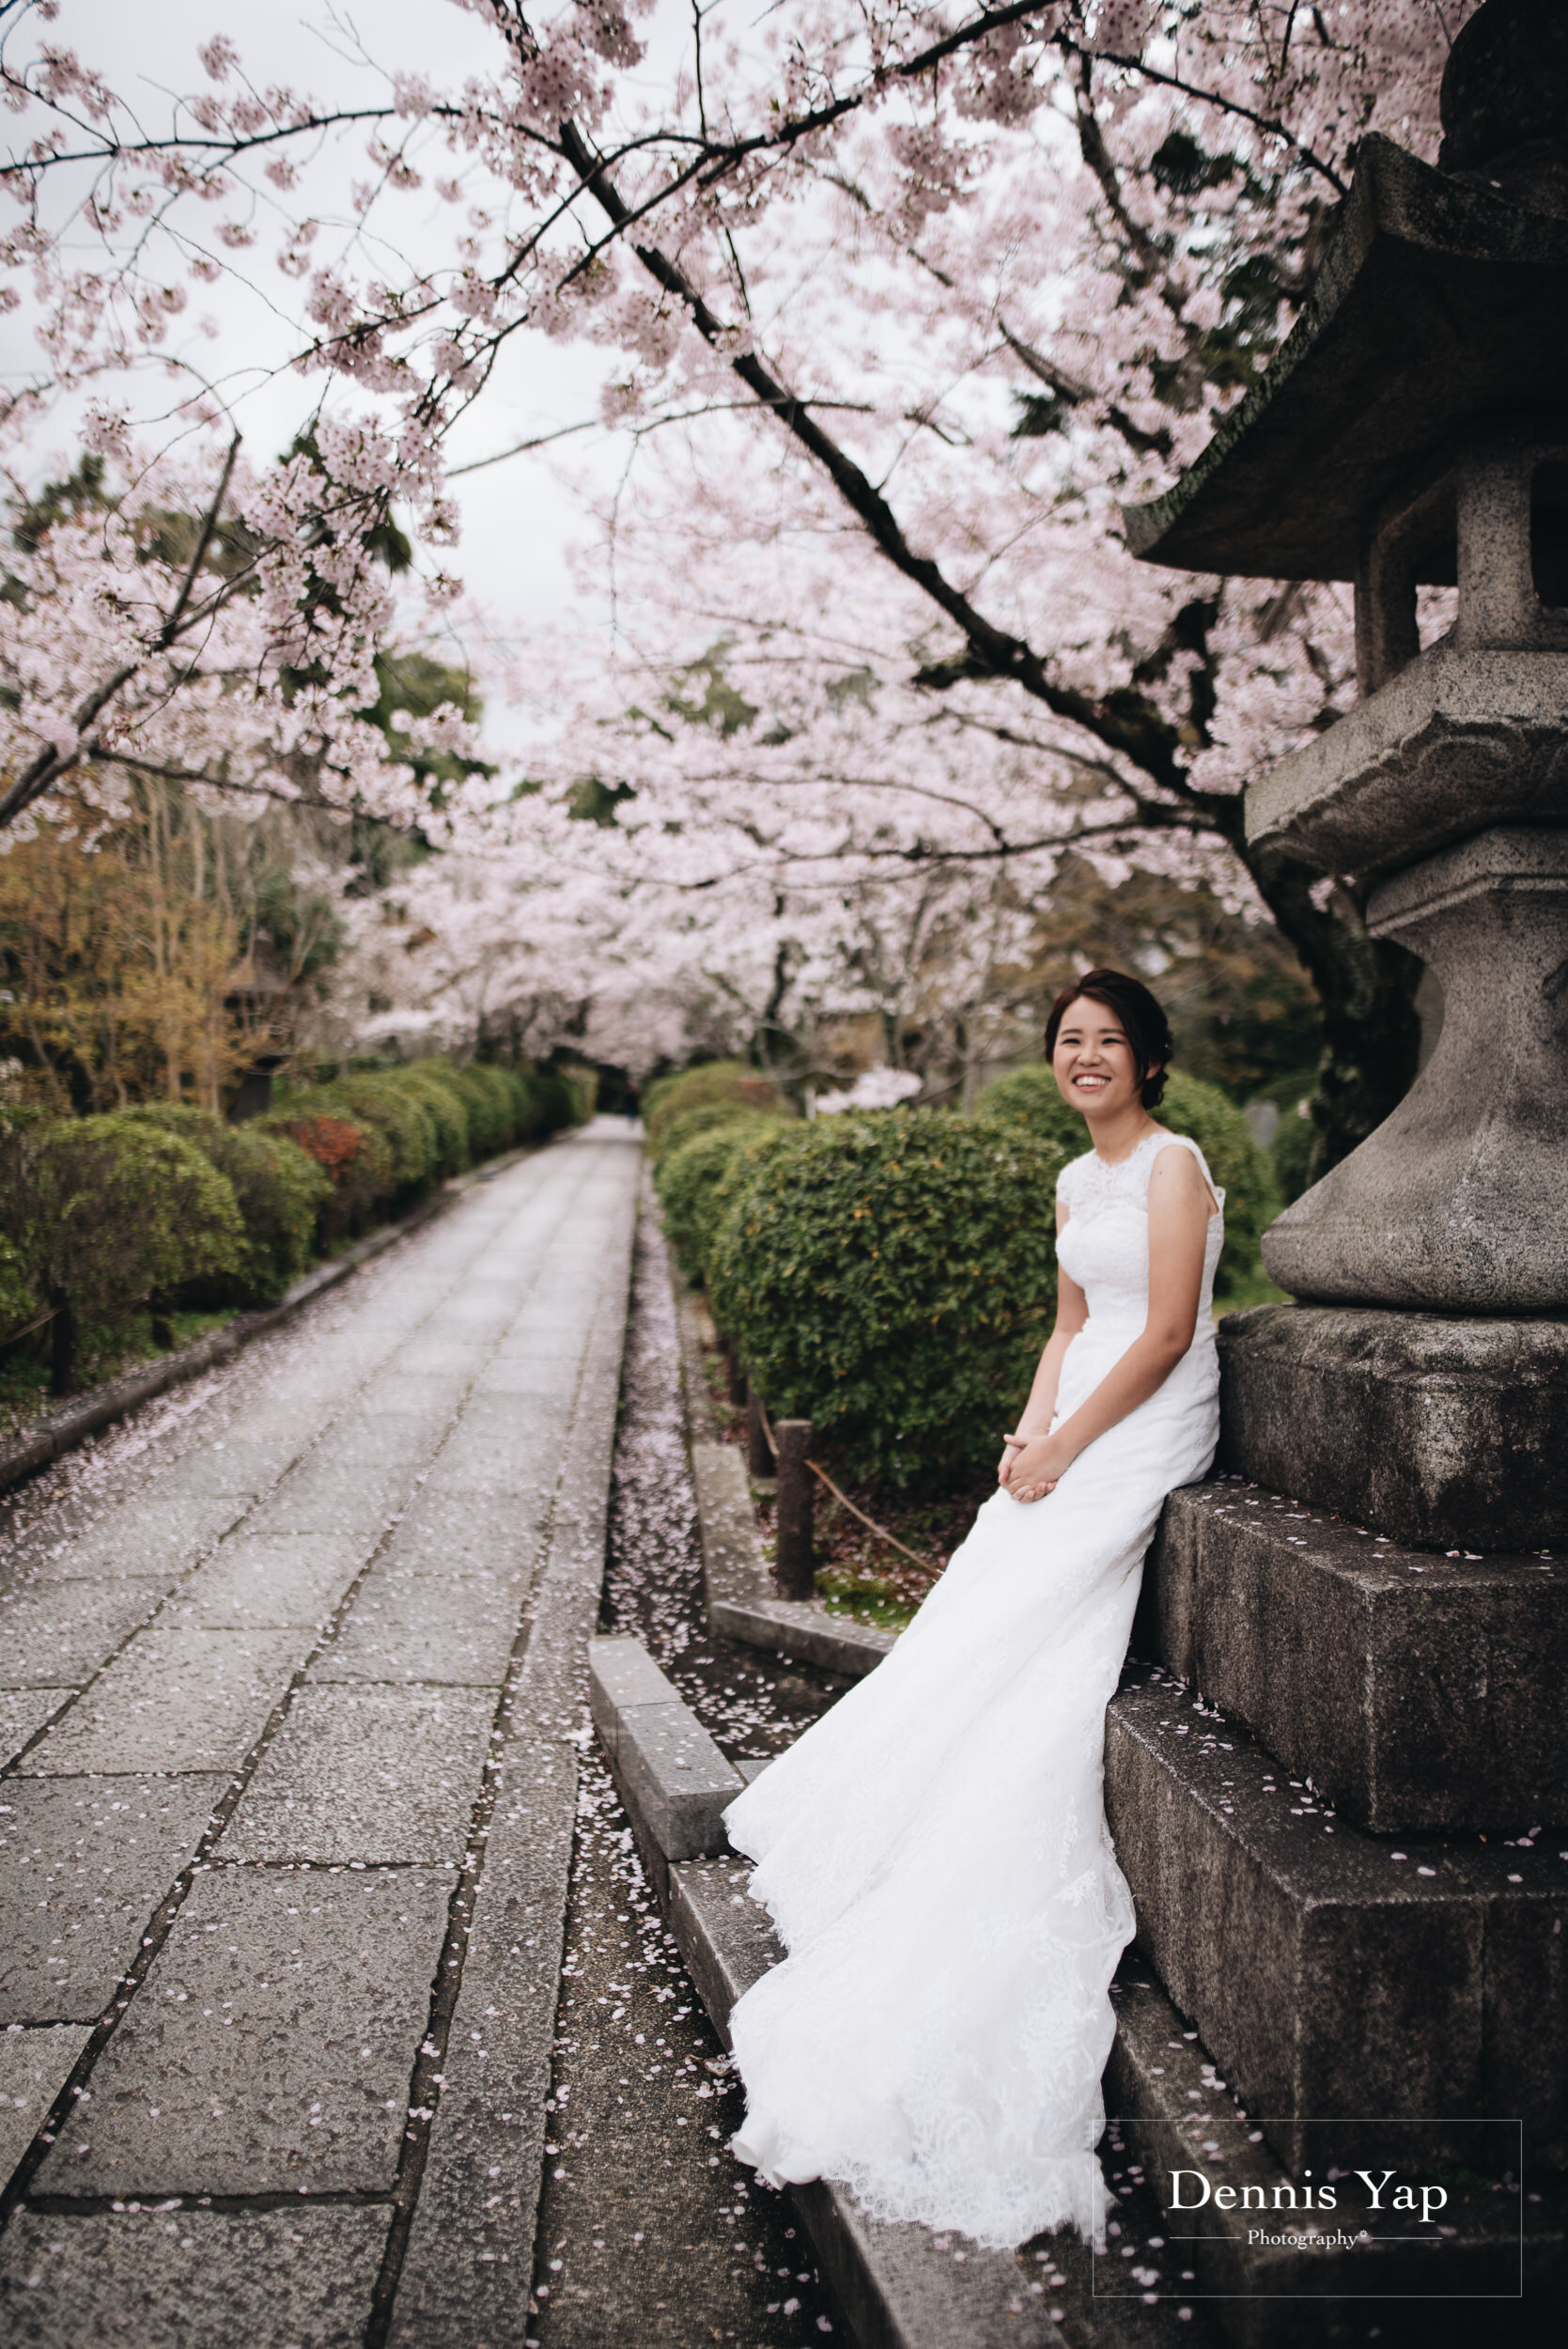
(290, 1703)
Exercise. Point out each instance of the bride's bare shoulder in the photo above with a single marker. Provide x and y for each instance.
(1179, 1167)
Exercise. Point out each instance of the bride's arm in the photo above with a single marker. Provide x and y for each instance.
(1072, 1311)
(1179, 1204)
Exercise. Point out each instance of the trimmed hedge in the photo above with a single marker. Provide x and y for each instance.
(726, 1082)
(100, 1215)
(706, 1117)
(384, 1136)
(105, 1214)
(278, 1190)
(892, 1277)
(354, 1158)
(690, 1175)
(1028, 1101)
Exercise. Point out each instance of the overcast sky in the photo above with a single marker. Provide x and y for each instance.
(519, 518)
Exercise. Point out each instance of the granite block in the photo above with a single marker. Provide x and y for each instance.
(366, 1774)
(1419, 1690)
(176, 1698)
(1334, 1973)
(1444, 1432)
(273, 2279)
(271, 2045)
(85, 1863)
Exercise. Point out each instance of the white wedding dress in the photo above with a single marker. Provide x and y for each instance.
(934, 1850)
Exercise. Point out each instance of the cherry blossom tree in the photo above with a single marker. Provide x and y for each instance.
(965, 278)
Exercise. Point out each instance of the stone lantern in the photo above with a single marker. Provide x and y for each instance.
(1369, 1600)
(1413, 430)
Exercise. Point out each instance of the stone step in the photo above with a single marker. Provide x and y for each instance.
(1419, 1691)
(802, 1628)
(1218, 2185)
(675, 1781)
(1333, 1974)
(1435, 1429)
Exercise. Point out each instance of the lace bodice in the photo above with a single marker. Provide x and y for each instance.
(1104, 1243)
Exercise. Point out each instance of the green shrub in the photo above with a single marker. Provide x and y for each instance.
(706, 1117)
(688, 1176)
(892, 1277)
(1028, 1101)
(374, 1098)
(434, 1085)
(18, 1293)
(106, 1212)
(355, 1158)
(278, 1189)
(718, 1080)
(488, 1100)
(19, 1299)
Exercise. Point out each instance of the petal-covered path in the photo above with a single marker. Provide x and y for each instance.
(290, 1697)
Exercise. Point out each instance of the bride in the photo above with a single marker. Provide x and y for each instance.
(934, 1850)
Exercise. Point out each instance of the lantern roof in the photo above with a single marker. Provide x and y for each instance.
(1440, 302)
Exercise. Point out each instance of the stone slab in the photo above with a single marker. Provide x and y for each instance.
(366, 1774)
(471, 2249)
(85, 1863)
(1419, 1690)
(58, 1635)
(428, 1628)
(676, 1778)
(150, 1535)
(726, 1938)
(241, 1465)
(1172, 2105)
(487, 1533)
(176, 1698)
(268, 1581)
(269, 2047)
(357, 1478)
(33, 2067)
(465, 2248)
(734, 1569)
(621, 1675)
(804, 1629)
(529, 1373)
(1332, 1973)
(273, 2279)
(418, 1389)
(1443, 1432)
(23, 1714)
(476, 1460)
(285, 1415)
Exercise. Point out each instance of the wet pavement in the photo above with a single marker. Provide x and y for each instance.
(291, 1677)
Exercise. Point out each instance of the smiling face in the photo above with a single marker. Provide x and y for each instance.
(1093, 1064)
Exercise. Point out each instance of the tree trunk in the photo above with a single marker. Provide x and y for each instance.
(62, 1345)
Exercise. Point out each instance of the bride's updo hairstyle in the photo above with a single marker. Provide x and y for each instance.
(1144, 1024)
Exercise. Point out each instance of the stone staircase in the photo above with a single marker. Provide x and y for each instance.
(1333, 1795)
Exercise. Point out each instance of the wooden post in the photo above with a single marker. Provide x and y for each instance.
(795, 1574)
(759, 1452)
(736, 1375)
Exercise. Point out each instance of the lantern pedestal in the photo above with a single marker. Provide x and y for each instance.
(1458, 1202)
